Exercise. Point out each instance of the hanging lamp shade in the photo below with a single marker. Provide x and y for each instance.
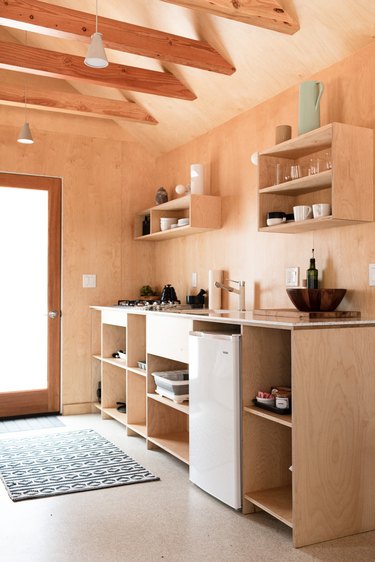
(96, 57)
(25, 136)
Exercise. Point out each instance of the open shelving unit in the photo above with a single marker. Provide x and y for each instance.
(203, 212)
(347, 186)
(267, 436)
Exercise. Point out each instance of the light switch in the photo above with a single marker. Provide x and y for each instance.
(194, 279)
(89, 281)
(371, 274)
(292, 276)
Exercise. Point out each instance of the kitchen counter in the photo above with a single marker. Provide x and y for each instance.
(248, 318)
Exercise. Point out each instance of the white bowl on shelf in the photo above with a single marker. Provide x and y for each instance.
(166, 222)
(183, 222)
(267, 401)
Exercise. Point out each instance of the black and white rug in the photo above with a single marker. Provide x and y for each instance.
(65, 462)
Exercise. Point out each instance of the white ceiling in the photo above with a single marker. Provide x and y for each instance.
(266, 62)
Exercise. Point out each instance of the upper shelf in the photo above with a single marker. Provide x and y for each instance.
(203, 212)
(310, 142)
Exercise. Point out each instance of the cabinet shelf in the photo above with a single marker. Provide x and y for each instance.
(276, 501)
(347, 186)
(203, 212)
(117, 362)
(307, 184)
(277, 418)
(115, 414)
(183, 407)
(177, 444)
(139, 428)
(137, 371)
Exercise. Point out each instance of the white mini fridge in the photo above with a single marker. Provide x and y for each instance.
(214, 415)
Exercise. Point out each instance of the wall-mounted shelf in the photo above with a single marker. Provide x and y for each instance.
(347, 185)
(203, 212)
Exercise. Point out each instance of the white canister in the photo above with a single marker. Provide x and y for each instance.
(197, 179)
(282, 402)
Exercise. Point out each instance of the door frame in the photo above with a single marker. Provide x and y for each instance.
(43, 401)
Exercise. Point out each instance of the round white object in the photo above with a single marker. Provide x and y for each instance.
(254, 158)
(180, 189)
(271, 222)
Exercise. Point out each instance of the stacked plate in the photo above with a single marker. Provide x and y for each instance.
(166, 222)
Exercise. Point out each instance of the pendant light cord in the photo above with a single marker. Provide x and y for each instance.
(25, 85)
(96, 16)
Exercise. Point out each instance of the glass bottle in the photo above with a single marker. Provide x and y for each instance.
(312, 274)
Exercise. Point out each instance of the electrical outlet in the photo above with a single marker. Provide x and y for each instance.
(292, 276)
(89, 281)
(194, 279)
(371, 274)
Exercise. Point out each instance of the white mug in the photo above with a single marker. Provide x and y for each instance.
(321, 210)
(302, 212)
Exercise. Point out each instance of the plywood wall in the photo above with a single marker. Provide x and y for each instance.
(104, 180)
(107, 177)
(342, 254)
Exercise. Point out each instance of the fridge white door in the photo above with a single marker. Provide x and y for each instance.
(214, 416)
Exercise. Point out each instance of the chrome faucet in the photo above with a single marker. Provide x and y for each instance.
(240, 291)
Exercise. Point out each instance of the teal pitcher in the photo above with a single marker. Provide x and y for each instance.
(310, 93)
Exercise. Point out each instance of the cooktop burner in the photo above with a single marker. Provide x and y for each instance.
(140, 303)
(152, 305)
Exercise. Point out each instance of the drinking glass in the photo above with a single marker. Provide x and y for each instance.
(295, 172)
(314, 166)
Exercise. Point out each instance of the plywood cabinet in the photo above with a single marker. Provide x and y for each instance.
(342, 156)
(328, 440)
(202, 211)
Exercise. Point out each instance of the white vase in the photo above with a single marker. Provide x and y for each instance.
(197, 179)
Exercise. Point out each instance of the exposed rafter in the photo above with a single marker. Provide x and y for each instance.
(76, 103)
(57, 21)
(60, 65)
(269, 14)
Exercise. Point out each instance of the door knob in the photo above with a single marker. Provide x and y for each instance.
(53, 314)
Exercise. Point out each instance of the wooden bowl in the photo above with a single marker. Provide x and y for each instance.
(316, 300)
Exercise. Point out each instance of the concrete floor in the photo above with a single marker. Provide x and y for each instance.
(170, 520)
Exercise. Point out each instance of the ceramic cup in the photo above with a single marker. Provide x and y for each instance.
(302, 212)
(321, 210)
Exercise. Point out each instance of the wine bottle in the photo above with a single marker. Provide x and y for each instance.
(312, 274)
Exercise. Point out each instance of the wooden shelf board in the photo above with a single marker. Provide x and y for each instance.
(276, 501)
(173, 233)
(306, 225)
(313, 141)
(117, 362)
(177, 444)
(97, 406)
(183, 407)
(137, 371)
(306, 184)
(139, 428)
(99, 357)
(116, 415)
(277, 418)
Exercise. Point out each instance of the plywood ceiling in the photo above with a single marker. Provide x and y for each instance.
(177, 98)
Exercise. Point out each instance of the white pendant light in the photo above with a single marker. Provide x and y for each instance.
(96, 57)
(25, 136)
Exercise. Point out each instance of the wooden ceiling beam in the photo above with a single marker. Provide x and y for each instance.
(42, 62)
(76, 103)
(48, 19)
(269, 14)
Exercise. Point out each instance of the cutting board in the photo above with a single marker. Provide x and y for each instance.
(297, 314)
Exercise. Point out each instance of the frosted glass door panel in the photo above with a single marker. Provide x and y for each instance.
(23, 289)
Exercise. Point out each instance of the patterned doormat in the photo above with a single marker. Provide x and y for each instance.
(29, 423)
(64, 463)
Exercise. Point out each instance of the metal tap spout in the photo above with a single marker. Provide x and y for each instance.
(240, 291)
